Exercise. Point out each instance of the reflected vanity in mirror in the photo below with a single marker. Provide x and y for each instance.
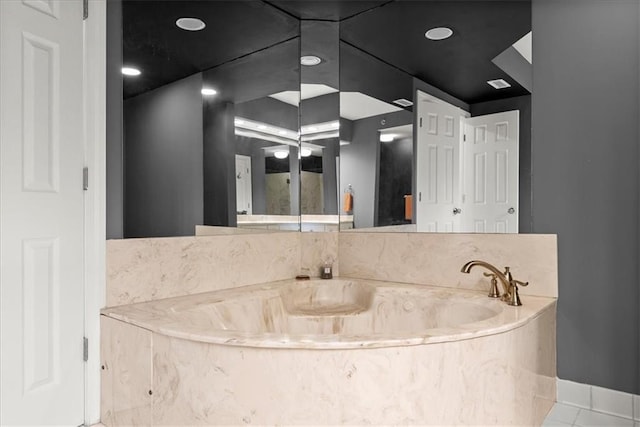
(319, 116)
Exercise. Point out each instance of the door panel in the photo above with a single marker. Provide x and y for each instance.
(490, 183)
(438, 166)
(41, 212)
(243, 183)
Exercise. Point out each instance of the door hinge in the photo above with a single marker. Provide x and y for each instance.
(420, 196)
(464, 138)
(85, 178)
(85, 9)
(420, 121)
(85, 349)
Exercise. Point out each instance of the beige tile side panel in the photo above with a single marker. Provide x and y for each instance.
(126, 374)
(503, 379)
(149, 269)
(316, 248)
(436, 259)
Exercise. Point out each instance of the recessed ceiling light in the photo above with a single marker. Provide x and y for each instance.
(499, 83)
(191, 24)
(310, 60)
(386, 137)
(281, 154)
(439, 33)
(206, 91)
(130, 71)
(305, 152)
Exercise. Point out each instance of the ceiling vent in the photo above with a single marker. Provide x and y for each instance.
(499, 84)
(403, 102)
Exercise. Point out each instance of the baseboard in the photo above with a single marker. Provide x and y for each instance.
(599, 399)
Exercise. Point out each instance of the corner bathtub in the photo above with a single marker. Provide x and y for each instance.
(340, 351)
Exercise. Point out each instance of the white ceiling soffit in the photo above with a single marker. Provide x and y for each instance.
(356, 106)
(292, 97)
(523, 46)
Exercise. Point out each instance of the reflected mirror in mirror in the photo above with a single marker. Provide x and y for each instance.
(430, 142)
(206, 139)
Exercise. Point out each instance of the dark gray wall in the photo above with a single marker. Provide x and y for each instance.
(219, 163)
(523, 104)
(114, 107)
(359, 163)
(586, 183)
(163, 160)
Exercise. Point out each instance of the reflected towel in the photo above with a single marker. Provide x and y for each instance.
(408, 206)
(347, 204)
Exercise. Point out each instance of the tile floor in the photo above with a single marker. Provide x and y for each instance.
(563, 415)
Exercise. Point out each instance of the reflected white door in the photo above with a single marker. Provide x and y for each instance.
(490, 183)
(438, 166)
(41, 215)
(243, 183)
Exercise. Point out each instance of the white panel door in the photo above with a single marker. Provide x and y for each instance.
(243, 183)
(41, 212)
(438, 166)
(490, 179)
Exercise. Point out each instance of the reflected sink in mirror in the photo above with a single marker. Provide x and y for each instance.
(368, 132)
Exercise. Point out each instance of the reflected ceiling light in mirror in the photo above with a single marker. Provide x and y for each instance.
(130, 71)
(305, 152)
(310, 60)
(264, 131)
(323, 130)
(499, 84)
(439, 33)
(281, 154)
(387, 137)
(191, 24)
(207, 91)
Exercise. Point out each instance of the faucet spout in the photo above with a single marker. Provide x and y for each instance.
(504, 278)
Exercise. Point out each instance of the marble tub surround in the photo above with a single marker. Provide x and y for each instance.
(126, 369)
(149, 269)
(316, 249)
(445, 370)
(349, 314)
(434, 258)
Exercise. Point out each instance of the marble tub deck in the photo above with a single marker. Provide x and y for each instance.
(159, 369)
(254, 316)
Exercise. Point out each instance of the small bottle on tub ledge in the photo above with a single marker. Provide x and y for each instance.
(327, 271)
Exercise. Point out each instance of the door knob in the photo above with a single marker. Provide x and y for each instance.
(511, 210)
(457, 211)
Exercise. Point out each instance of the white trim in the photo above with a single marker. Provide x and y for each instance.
(599, 399)
(95, 197)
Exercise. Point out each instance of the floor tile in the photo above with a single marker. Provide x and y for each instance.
(563, 413)
(589, 418)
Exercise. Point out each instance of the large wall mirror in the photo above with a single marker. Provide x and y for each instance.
(319, 116)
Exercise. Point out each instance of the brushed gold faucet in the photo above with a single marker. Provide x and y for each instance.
(509, 284)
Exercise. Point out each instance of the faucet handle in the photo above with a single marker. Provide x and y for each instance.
(493, 291)
(518, 282)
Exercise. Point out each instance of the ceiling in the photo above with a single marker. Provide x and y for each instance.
(390, 31)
